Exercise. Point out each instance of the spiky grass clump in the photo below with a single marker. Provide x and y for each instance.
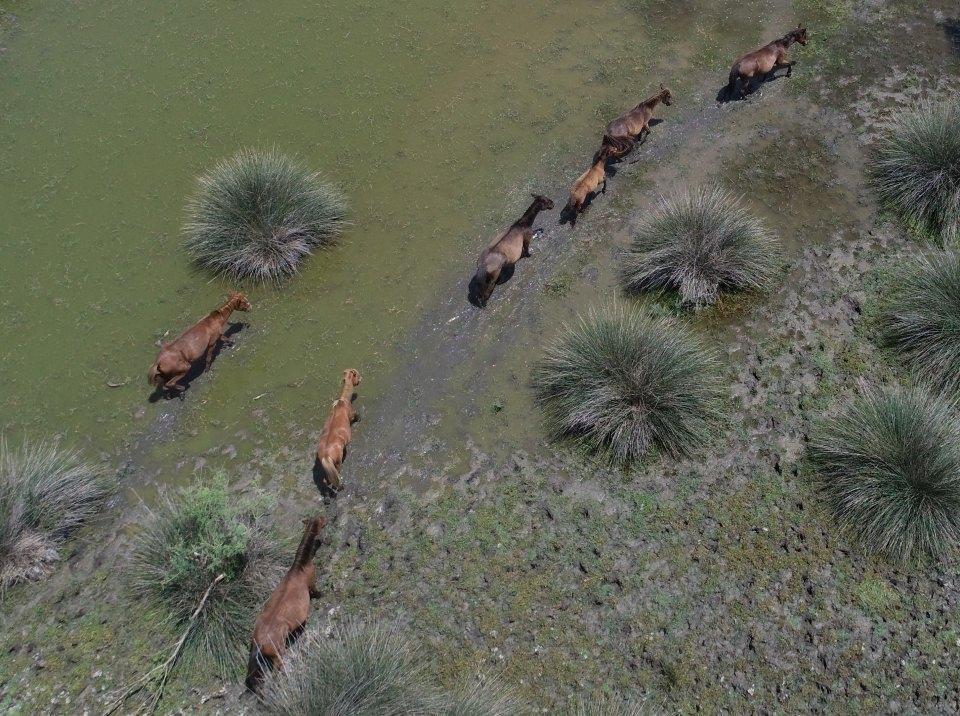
(922, 318)
(360, 670)
(257, 215)
(889, 466)
(613, 706)
(45, 493)
(621, 383)
(916, 168)
(487, 696)
(193, 536)
(698, 242)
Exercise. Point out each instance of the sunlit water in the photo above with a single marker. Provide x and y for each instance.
(435, 118)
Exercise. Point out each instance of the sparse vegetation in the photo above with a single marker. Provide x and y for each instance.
(487, 696)
(916, 168)
(257, 215)
(46, 492)
(194, 536)
(698, 242)
(889, 466)
(620, 383)
(921, 318)
(360, 670)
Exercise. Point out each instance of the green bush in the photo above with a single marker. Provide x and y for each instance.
(195, 535)
(915, 169)
(45, 494)
(359, 670)
(922, 318)
(889, 467)
(257, 215)
(698, 242)
(620, 383)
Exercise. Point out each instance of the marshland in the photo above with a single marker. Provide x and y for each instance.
(699, 452)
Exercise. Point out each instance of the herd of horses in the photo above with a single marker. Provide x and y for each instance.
(285, 613)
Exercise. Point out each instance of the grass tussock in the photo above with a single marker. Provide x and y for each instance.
(487, 696)
(889, 467)
(193, 536)
(697, 243)
(359, 670)
(46, 493)
(915, 169)
(258, 215)
(612, 706)
(621, 383)
(921, 321)
(373, 670)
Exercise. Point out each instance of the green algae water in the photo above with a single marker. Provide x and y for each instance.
(435, 119)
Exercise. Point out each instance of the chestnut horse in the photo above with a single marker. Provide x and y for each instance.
(177, 357)
(285, 613)
(631, 127)
(506, 248)
(337, 432)
(764, 62)
(587, 185)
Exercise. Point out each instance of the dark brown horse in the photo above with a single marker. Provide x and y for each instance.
(177, 357)
(631, 127)
(587, 185)
(337, 431)
(285, 613)
(763, 62)
(506, 248)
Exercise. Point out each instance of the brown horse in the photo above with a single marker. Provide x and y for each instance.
(587, 184)
(337, 431)
(177, 357)
(285, 613)
(764, 62)
(506, 248)
(631, 127)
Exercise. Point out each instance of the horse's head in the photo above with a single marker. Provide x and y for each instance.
(351, 376)
(605, 152)
(240, 302)
(799, 35)
(542, 202)
(666, 96)
(314, 524)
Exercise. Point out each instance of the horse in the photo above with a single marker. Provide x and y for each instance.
(586, 185)
(177, 357)
(284, 615)
(631, 127)
(764, 61)
(337, 432)
(506, 248)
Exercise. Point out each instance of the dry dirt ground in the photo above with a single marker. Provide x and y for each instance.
(717, 584)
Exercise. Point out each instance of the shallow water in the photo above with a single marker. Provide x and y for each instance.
(435, 120)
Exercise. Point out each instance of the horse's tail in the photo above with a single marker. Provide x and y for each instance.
(331, 472)
(153, 375)
(255, 665)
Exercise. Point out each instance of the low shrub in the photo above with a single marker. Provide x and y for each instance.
(915, 169)
(921, 318)
(46, 492)
(620, 383)
(889, 467)
(699, 242)
(257, 215)
(193, 536)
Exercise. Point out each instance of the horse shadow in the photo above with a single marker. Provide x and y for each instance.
(198, 367)
(728, 93)
(473, 288)
(951, 29)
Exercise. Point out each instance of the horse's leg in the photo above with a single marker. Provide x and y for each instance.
(527, 237)
(209, 354)
(603, 189)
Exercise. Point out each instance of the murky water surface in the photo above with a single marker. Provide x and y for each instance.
(435, 118)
